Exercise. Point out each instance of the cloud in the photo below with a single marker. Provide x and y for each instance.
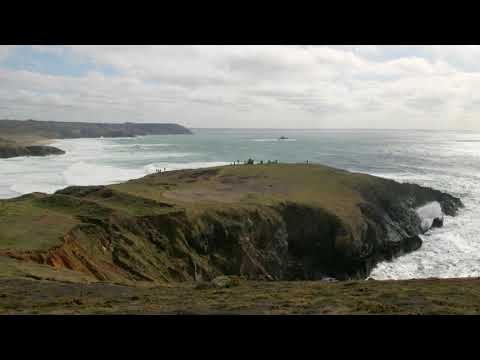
(426, 104)
(248, 86)
(5, 50)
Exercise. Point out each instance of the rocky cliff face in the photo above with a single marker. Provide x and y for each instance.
(133, 238)
(34, 150)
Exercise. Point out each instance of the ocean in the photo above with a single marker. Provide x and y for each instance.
(445, 160)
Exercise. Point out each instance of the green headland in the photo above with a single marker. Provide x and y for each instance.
(221, 233)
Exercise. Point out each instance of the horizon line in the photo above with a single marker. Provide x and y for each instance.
(250, 128)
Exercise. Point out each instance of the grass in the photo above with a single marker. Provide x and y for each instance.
(252, 185)
(22, 140)
(39, 222)
(335, 191)
(11, 268)
(6, 142)
(24, 225)
(138, 229)
(429, 296)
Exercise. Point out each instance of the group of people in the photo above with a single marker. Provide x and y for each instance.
(251, 162)
(237, 162)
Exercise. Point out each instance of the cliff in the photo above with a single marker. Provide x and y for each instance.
(275, 222)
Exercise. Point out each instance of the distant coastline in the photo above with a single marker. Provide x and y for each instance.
(32, 137)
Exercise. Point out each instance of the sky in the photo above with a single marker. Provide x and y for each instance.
(363, 86)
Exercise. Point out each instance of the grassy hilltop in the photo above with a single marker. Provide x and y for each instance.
(199, 241)
(274, 222)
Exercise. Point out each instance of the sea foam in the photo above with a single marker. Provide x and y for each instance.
(93, 162)
(428, 213)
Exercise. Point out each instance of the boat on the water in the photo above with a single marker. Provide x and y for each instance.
(282, 138)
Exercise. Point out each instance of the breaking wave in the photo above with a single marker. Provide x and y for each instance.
(428, 213)
(93, 162)
(83, 173)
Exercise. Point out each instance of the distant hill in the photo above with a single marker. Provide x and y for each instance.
(25, 137)
(71, 130)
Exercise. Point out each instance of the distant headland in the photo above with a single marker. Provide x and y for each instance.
(27, 137)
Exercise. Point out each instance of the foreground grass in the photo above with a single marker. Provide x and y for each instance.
(448, 296)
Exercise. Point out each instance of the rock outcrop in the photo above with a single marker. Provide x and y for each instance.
(33, 150)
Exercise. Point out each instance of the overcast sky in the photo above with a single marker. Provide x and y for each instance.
(245, 86)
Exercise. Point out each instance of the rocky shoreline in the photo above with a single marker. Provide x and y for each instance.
(32, 150)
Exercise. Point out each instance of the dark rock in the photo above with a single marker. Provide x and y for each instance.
(437, 222)
(41, 150)
(34, 150)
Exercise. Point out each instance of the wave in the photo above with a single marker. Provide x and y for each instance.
(450, 251)
(83, 174)
(400, 177)
(428, 213)
(23, 188)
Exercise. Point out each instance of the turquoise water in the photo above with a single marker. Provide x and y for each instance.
(446, 160)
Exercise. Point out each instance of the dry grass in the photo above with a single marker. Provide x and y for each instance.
(452, 296)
